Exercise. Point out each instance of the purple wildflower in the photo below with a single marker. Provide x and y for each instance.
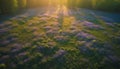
(110, 24)
(59, 53)
(22, 54)
(51, 32)
(3, 30)
(15, 50)
(61, 38)
(91, 25)
(83, 35)
(26, 60)
(5, 42)
(70, 32)
(113, 58)
(47, 27)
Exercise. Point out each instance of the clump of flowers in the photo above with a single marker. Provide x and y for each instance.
(59, 53)
(60, 38)
(91, 25)
(51, 33)
(84, 36)
(47, 28)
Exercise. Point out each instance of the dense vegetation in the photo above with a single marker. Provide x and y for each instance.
(59, 42)
(59, 34)
(11, 6)
(8, 6)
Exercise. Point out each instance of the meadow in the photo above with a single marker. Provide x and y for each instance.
(60, 36)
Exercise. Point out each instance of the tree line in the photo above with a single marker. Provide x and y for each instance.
(104, 5)
(12, 6)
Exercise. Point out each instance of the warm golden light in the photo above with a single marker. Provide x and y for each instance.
(58, 6)
(57, 2)
(37, 3)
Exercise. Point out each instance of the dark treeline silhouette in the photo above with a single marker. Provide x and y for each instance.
(8, 6)
(105, 5)
(11, 6)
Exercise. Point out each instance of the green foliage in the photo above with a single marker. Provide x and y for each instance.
(96, 4)
(104, 5)
(34, 49)
(2, 66)
(21, 4)
(37, 3)
(8, 6)
(11, 6)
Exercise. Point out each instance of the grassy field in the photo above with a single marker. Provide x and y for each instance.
(60, 38)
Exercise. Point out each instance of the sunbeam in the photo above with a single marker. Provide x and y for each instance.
(59, 34)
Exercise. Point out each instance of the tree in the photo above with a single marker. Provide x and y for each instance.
(21, 4)
(8, 6)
